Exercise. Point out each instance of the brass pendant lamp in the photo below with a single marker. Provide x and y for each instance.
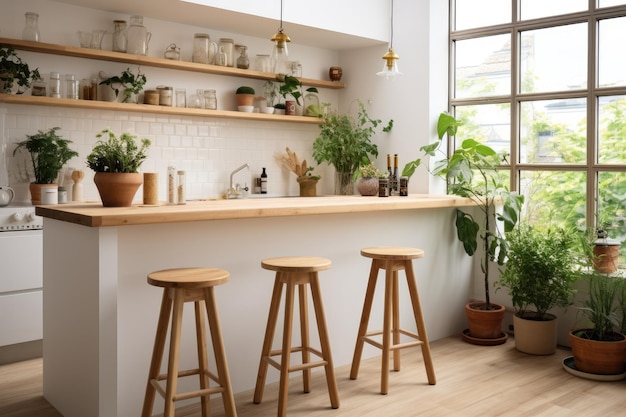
(390, 67)
(280, 52)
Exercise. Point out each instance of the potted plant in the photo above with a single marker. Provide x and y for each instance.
(245, 97)
(367, 185)
(116, 161)
(346, 143)
(599, 347)
(13, 69)
(472, 171)
(48, 153)
(538, 275)
(129, 83)
(304, 173)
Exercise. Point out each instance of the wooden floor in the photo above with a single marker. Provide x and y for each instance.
(471, 381)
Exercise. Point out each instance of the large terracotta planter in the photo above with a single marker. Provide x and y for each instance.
(117, 189)
(536, 337)
(596, 357)
(485, 324)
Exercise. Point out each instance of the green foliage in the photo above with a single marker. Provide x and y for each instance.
(245, 90)
(12, 69)
(48, 152)
(113, 154)
(370, 171)
(602, 308)
(540, 269)
(131, 83)
(290, 86)
(345, 142)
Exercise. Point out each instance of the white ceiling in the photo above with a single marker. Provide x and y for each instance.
(227, 21)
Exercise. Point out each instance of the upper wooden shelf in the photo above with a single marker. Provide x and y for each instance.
(99, 54)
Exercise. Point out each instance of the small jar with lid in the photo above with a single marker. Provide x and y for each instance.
(172, 52)
(55, 85)
(166, 94)
(202, 48)
(119, 36)
(210, 100)
(181, 188)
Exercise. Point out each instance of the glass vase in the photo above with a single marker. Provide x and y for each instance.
(344, 184)
(31, 28)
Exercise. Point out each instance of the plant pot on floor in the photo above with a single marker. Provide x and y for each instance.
(485, 326)
(117, 189)
(598, 357)
(533, 336)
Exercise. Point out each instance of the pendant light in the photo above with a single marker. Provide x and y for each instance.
(390, 67)
(280, 53)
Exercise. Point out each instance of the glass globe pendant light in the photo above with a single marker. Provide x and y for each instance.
(280, 52)
(390, 67)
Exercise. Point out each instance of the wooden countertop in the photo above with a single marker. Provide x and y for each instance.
(94, 215)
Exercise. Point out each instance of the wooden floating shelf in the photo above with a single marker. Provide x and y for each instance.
(99, 54)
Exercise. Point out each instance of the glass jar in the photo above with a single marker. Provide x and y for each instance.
(166, 94)
(119, 36)
(210, 100)
(228, 46)
(203, 49)
(181, 188)
(312, 103)
(71, 87)
(39, 88)
(172, 52)
(138, 36)
(262, 63)
(196, 101)
(243, 62)
(31, 28)
(55, 85)
(181, 97)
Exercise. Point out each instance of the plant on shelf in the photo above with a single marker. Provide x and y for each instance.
(367, 185)
(346, 143)
(304, 173)
(13, 69)
(539, 275)
(472, 171)
(48, 153)
(129, 83)
(116, 161)
(245, 96)
(289, 86)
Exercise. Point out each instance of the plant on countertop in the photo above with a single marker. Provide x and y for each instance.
(539, 271)
(346, 142)
(130, 82)
(370, 171)
(113, 154)
(290, 160)
(48, 152)
(12, 69)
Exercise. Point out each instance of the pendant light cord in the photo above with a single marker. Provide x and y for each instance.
(391, 38)
(281, 15)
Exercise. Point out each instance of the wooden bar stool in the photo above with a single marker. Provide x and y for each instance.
(180, 286)
(392, 259)
(296, 271)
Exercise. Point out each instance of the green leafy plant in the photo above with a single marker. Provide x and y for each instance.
(245, 90)
(345, 142)
(601, 307)
(130, 83)
(472, 171)
(48, 153)
(289, 85)
(540, 270)
(113, 154)
(370, 171)
(12, 69)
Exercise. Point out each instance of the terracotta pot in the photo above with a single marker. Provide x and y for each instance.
(308, 186)
(536, 337)
(117, 189)
(245, 99)
(484, 324)
(35, 192)
(367, 186)
(598, 357)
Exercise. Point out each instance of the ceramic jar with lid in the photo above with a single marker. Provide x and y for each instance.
(119, 36)
(229, 49)
(166, 94)
(203, 49)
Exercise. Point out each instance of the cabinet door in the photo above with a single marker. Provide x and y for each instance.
(21, 317)
(21, 260)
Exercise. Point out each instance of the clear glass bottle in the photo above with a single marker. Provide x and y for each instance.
(137, 36)
(181, 188)
(210, 100)
(31, 28)
(55, 85)
(71, 87)
(243, 61)
(312, 103)
(119, 36)
(171, 185)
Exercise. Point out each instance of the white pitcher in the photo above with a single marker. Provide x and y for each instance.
(138, 36)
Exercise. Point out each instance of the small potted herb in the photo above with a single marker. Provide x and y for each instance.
(13, 69)
(245, 97)
(129, 83)
(367, 185)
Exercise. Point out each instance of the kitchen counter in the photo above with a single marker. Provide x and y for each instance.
(100, 314)
(94, 215)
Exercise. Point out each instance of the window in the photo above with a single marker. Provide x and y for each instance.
(545, 81)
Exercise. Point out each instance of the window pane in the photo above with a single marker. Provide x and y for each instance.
(612, 37)
(612, 207)
(483, 66)
(612, 130)
(553, 131)
(554, 197)
(470, 13)
(532, 9)
(542, 69)
(488, 123)
(609, 3)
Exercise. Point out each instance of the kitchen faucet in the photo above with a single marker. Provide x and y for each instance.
(235, 192)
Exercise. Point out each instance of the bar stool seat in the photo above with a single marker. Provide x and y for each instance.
(296, 271)
(183, 285)
(392, 259)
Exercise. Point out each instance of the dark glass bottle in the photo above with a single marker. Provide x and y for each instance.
(263, 182)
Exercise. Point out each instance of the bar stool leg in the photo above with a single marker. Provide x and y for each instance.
(220, 353)
(283, 389)
(267, 342)
(396, 319)
(365, 317)
(419, 320)
(203, 365)
(320, 318)
(172, 368)
(157, 353)
(304, 337)
(387, 322)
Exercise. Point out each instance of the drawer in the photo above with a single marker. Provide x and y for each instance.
(21, 317)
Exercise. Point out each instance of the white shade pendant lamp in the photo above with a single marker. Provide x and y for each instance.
(390, 67)
(280, 52)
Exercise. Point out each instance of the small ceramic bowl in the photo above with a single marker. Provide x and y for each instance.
(267, 110)
(247, 109)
